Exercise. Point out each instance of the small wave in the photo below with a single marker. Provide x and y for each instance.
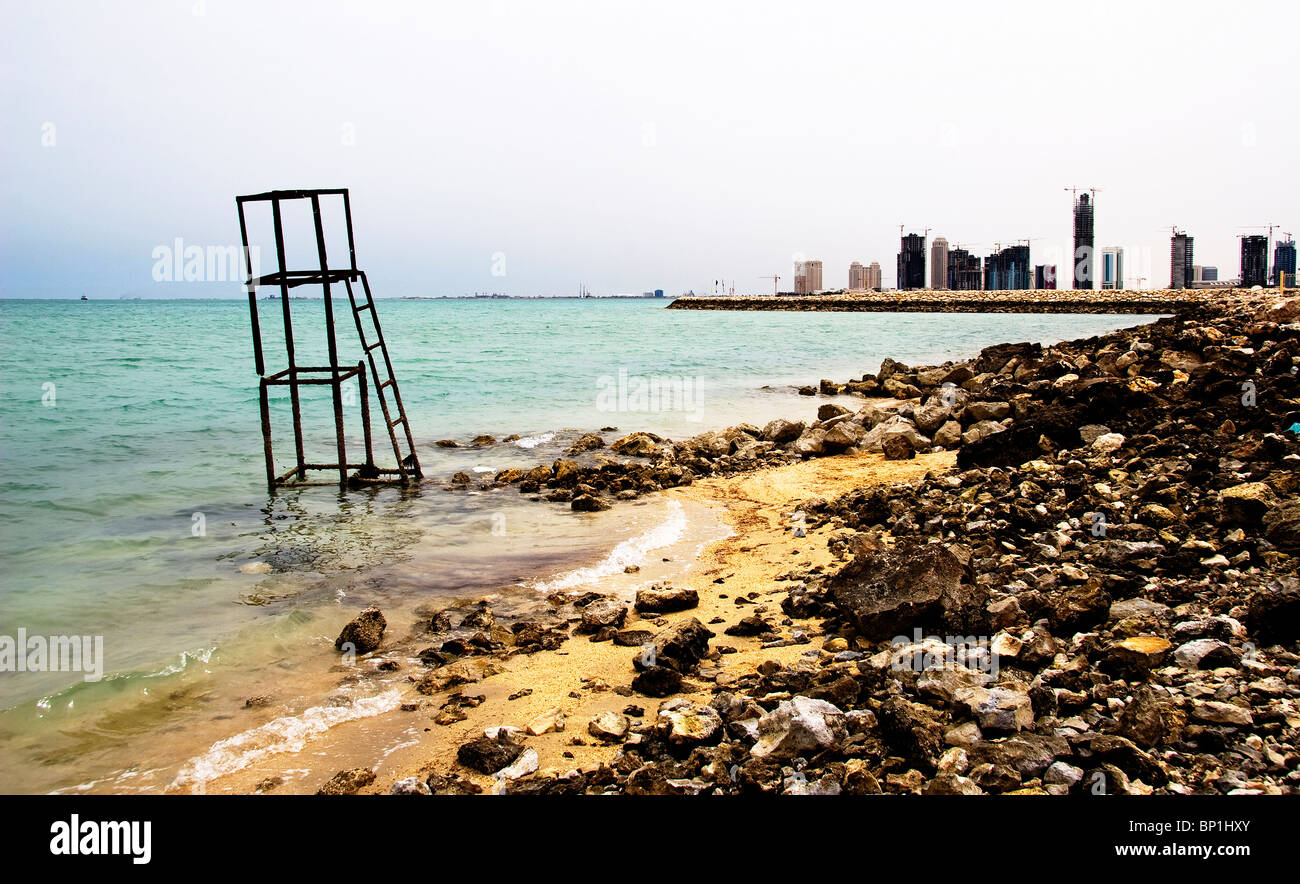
(534, 441)
(115, 680)
(632, 551)
(288, 734)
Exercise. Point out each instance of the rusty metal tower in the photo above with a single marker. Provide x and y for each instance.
(334, 375)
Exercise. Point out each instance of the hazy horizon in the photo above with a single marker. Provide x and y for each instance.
(530, 150)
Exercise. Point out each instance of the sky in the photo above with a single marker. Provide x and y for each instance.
(532, 148)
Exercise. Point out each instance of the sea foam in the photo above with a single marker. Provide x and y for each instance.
(632, 551)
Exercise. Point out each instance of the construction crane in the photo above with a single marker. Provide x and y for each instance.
(1074, 191)
(776, 281)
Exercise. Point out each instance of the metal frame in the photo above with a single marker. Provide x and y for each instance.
(295, 376)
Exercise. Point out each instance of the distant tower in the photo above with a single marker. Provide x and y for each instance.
(1254, 260)
(1112, 268)
(911, 263)
(1083, 242)
(939, 263)
(873, 276)
(1180, 261)
(857, 276)
(1284, 263)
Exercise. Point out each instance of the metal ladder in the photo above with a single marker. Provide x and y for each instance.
(385, 381)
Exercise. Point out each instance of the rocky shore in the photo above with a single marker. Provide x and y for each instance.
(1088, 585)
(931, 301)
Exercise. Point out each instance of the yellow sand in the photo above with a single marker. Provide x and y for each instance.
(757, 507)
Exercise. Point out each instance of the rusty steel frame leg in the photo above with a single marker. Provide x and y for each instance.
(266, 435)
(288, 342)
(365, 418)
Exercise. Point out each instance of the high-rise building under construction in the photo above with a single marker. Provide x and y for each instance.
(1083, 242)
(1284, 264)
(964, 271)
(911, 263)
(1180, 261)
(1254, 260)
(1007, 269)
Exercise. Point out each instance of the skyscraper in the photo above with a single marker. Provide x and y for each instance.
(964, 271)
(857, 276)
(1254, 260)
(1284, 264)
(1180, 261)
(911, 263)
(1083, 247)
(873, 276)
(1112, 268)
(1045, 276)
(1007, 269)
(939, 263)
(807, 277)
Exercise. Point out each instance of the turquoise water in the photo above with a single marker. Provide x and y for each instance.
(125, 426)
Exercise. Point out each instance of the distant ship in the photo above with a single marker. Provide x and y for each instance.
(84, 298)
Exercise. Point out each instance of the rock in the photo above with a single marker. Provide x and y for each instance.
(685, 725)
(782, 431)
(1029, 754)
(1002, 709)
(551, 720)
(1061, 773)
(587, 503)
(636, 445)
(1245, 504)
(1222, 713)
(586, 442)
(1282, 527)
(1273, 613)
(410, 786)
(525, 764)
(810, 444)
(799, 726)
(830, 410)
(844, 434)
(1133, 658)
(1108, 443)
(1078, 608)
(894, 426)
(609, 726)
(979, 431)
(490, 754)
(1206, 653)
(988, 411)
(951, 784)
(1137, 607)
(598, 614)
(901, 389)
(948, 435)
(665, 599)
(1089, 432)
(679, 647)
(887, 593)
(1151, 719)
(657, 681)
(896, 447)
(348, 782)
(364, 633)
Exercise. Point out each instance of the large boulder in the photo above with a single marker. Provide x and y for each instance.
(665, 599)
(894, 426)
(685, 725)
(679, 647)
(1273, 613)
(637, 444)
(782, 431)
(889, 592)
(799, 726)
(364, 633)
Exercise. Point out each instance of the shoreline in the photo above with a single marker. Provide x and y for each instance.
(1153, 302)
(596, 764)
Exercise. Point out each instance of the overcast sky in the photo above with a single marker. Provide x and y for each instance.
(637, 146)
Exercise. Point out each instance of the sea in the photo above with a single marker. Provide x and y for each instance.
(137, 528)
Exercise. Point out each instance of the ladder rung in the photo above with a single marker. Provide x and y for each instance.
(375, 345)
(400, 420)
(388, 383)
(365, 306)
